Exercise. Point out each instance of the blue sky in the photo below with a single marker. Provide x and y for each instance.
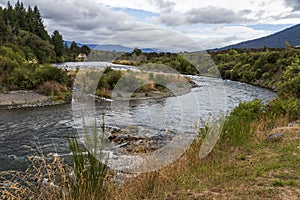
(166, 23)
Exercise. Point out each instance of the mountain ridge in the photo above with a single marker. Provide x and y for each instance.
(114, 47)
(275, 40)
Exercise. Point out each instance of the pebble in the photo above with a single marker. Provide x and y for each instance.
(275, 137)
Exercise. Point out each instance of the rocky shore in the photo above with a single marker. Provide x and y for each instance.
(24, 99)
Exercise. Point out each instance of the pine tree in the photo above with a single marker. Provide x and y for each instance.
(4, 30)
(30, 19)
(57, 41)
(21, 16)
(39, 28)
(9, 15)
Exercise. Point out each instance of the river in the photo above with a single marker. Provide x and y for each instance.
(47, 129)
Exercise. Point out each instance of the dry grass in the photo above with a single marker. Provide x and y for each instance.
(54, 89)
(43, 180)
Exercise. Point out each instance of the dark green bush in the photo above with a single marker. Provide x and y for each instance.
(280, 107)
(51, 73)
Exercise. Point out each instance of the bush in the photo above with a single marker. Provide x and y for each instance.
(237, 126)
(291, 80)
(280, 107)
(51, 73)
(103, 92)
(51, 88)
(109, 79)
(22, 78)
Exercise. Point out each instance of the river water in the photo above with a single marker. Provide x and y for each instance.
(47, 129)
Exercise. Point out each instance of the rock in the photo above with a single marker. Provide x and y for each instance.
(274, 137)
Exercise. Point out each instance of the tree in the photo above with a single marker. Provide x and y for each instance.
(57, 41)
(30, 19)
(85, 49)
(4, 30)
(39, 28)
(137, 51)
(21, 16)
(73, 51)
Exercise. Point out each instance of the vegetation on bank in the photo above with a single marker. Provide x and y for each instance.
(133, 84)
(26, 48)
(24, 28)
(18, 74)
(276, 69)
(173, 60)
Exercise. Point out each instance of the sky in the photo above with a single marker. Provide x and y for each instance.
(166, 24)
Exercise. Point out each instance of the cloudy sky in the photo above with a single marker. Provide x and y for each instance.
(166, 23)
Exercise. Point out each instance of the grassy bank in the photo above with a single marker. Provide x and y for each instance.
(243, 165)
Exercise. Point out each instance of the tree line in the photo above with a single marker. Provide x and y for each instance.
(23, 28)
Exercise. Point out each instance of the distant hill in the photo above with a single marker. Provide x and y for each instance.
(276, 40)
(114, 47)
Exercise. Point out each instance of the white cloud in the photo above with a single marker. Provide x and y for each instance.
(219, 36)
(94, 21)
(207, 15)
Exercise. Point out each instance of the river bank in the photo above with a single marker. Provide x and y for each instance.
(25, 99)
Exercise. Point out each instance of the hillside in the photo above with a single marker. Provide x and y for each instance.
(276, 40)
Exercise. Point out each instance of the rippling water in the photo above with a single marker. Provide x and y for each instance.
(48, 128)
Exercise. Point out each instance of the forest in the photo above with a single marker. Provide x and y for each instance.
(23, 29)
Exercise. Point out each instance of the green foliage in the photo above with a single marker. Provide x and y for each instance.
(9, 59)
(276, 69)
(248, 111)
(18, 73)
(50, 73)
(89, 173)
(281, 107)
(237, 126)
(172, 60)
(24, 29)
(22, 78)
(291, 80)
(59, 48)
(75, 50)
(137, 51)
(109, 79)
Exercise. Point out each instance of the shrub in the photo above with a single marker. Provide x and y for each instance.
(51, 88)
(237, 126)
(21, 78)
(51, 73)
(103, 92)
(280, 107)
